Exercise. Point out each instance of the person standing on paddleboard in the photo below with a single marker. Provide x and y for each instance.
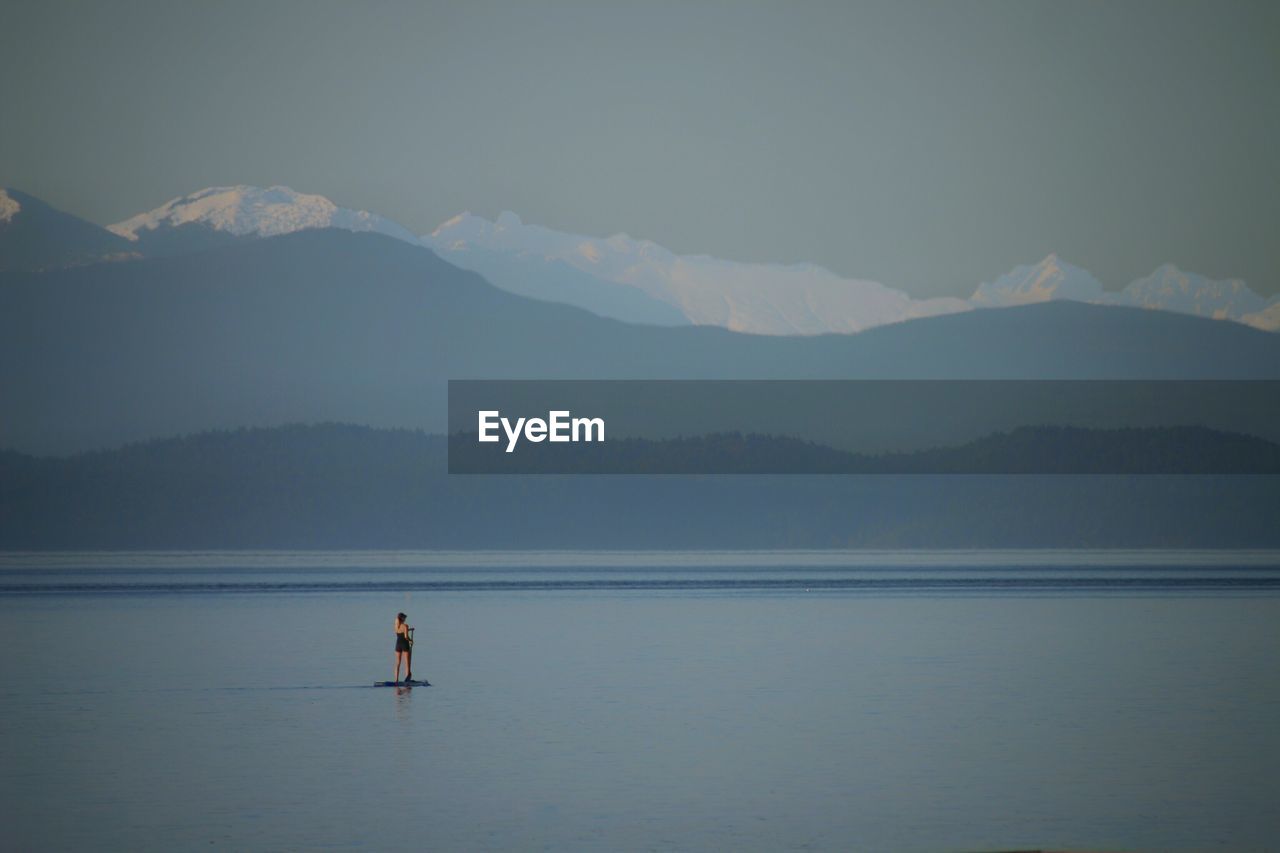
(404, 647)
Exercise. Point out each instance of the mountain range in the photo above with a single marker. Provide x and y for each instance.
(639, 281)
(359, 327)
(806, 299)
(259, 312)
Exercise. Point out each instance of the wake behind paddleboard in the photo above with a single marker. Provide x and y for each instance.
(402, 684)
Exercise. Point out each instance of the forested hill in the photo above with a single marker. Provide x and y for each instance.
(1024, 450)
(338, 486)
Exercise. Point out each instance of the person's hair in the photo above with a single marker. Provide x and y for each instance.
(400, 617)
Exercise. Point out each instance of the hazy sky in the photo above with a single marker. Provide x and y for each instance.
(927, 145)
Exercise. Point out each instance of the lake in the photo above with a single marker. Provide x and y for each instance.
(688, 701)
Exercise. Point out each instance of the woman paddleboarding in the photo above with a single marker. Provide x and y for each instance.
(404, 648)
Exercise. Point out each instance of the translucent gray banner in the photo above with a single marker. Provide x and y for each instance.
(864, 427)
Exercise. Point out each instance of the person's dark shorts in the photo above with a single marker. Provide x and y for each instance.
(402, 645)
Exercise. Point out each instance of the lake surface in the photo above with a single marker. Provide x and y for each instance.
(811, 700)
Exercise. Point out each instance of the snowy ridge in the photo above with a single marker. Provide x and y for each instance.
(776, 299)
(1166, 289)
(806, 299)
(1171, 289)
(641, 281)
(245, 210)
(1267, 319)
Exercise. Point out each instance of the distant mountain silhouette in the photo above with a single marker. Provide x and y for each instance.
(1073, 450)
(337, 486)
(35, 236)
(553, 280)
(1025, 450)
(357, 327)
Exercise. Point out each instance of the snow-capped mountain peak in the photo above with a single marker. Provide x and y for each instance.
(1167, 289)
(1172, 289)
(9, 206)
(254, 211)
(1050, 279)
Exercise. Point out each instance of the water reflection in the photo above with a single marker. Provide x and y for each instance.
(403, 703)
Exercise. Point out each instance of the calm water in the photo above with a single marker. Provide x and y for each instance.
(725, 701)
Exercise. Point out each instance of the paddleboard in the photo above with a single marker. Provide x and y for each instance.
(402, 684)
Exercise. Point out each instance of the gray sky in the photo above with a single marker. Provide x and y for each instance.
(926, 145)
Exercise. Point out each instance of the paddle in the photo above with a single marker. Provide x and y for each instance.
(408, 658)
